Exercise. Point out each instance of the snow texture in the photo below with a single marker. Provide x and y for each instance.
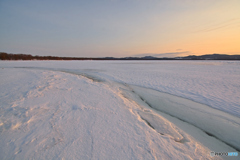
(109, 110)
(214, 83)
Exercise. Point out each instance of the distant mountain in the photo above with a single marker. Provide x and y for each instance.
(212, 57)
(6, 56)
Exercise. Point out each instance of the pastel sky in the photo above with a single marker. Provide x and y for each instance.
(119, 28)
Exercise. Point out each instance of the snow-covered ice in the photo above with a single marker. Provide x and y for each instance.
(214, 122)
(118, 109)
(214, 83)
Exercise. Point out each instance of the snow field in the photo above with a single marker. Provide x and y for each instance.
(213, 83)
(55, 115)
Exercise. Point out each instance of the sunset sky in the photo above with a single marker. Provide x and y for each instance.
(119, 28)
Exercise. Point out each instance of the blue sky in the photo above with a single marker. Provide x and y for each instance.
(99, 28)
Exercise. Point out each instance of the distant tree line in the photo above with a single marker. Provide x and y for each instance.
(5, 56)
(9, 56)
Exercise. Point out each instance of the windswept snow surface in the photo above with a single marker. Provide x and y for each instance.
(214, 83)
(94, 109)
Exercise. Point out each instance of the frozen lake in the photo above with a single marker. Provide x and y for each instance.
(214, 83)
(168, 109)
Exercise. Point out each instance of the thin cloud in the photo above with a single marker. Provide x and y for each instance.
(162, 55)
(229, 23)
